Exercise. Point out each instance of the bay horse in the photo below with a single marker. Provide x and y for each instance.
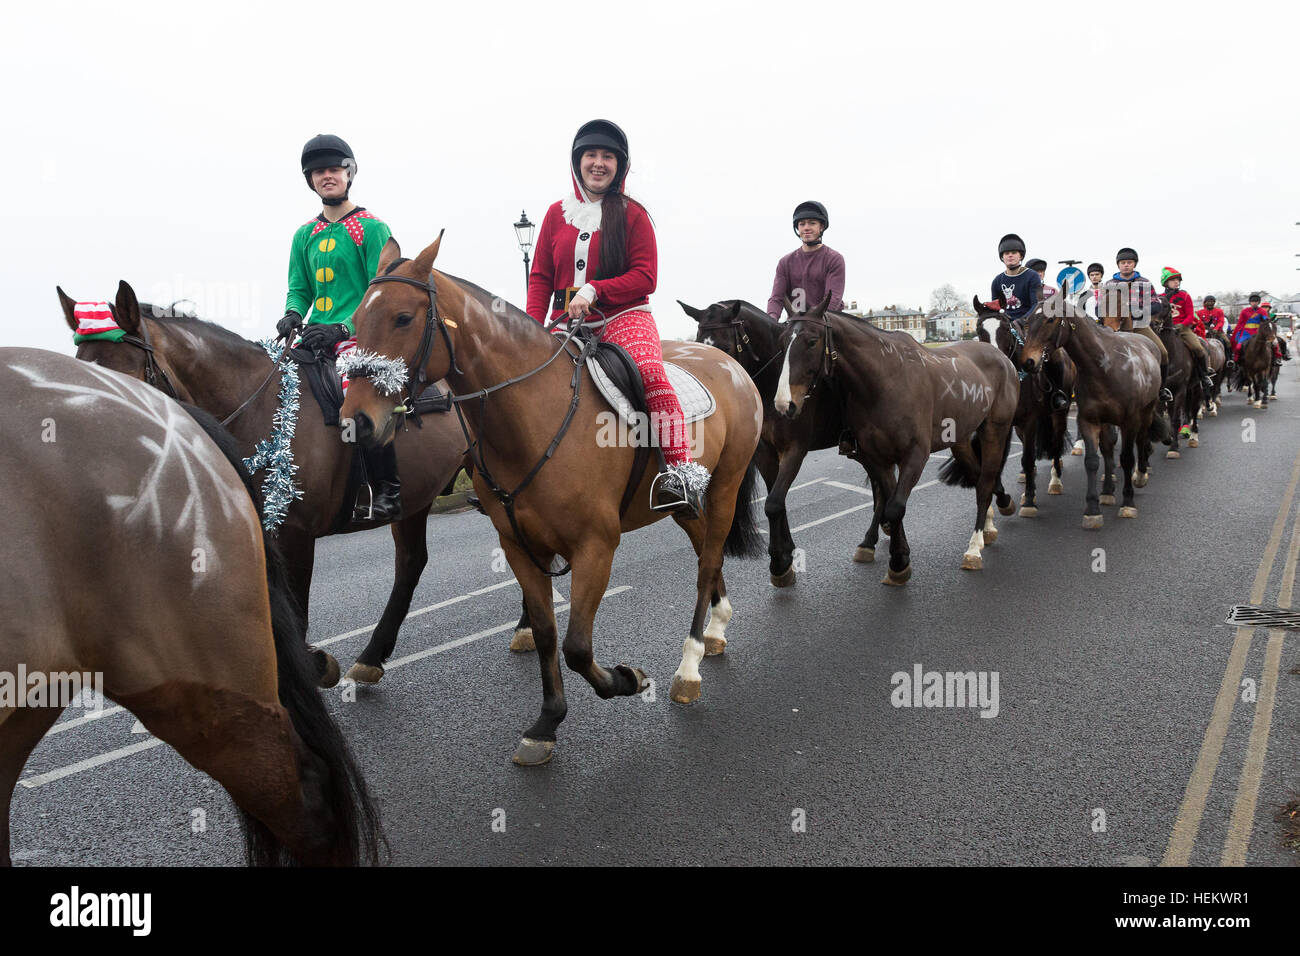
(1044, 431)
(903, 402)
(1118, 384)
(217, 370)
(1217, 362)
(1181, 379)
(135, 552)
(1257, 363)
(756, 340)
(550, 476)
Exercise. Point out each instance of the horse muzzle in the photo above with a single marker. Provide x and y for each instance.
(371, 435)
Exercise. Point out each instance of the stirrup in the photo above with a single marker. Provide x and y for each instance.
(680, 489)
(1166, 396)
(1060, 400)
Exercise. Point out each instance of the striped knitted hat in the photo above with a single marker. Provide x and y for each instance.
(95, 323)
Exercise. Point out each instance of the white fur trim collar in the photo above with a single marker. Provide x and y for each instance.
(585, 216)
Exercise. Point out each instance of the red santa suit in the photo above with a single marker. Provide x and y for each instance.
(567, 258)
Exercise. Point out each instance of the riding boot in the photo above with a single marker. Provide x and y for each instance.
(1203, 369)
(680, 489)
(1166, 396)
(381, 500)
(1055, 372)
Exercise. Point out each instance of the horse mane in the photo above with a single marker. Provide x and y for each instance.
(483, 297)
(192, 323)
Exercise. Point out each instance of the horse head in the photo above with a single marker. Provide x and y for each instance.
(809, 358)
(1047, 329)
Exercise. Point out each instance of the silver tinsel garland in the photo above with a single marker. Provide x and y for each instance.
(388, 375)
(274, 454)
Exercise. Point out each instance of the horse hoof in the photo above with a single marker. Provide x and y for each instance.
(1092, 521)
(990, 535)
(522, 642)
(1107, 499)
(1021, 479)
(1077, 449)
(1140, 479)
(1028, 511)
(1008, 508)
(1257, 405)
(1054, 488)
(636, 675)
(783, 580)
(1193, 443)
(331, 675)
(864, 555)
(1214, 413)
(713, 646)
(533, 753)
(973, 562)
(1173, 454)
(1128, 512)
(364, 673)
(684, 691)
(899, 578)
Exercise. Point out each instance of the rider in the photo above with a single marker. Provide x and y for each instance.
(332, 259)
(597, 248)
(1019, 289)
(1040, 266)
(1090, 298)
(1128, 296)
(1213, 320)
(813, 268)
(1248, 324)
(1184, 320)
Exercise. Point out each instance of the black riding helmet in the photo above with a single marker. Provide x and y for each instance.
(1036, 265)
(601, 134)
(1126, 253)
(811, 209)
(1010, 243)
(325, 150)
(1209, 300)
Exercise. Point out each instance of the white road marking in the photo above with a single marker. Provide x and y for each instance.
(847, 487)
(849, 511)
(416, 613)
(790, 489)
(89, 763)
(82, 721)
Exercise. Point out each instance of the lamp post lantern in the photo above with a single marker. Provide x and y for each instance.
(524, 233)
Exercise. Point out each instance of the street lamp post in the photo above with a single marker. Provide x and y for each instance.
(524, 233)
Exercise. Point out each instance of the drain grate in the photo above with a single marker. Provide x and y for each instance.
(1247, 615)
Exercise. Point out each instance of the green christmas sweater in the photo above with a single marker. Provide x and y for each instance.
(331, 264)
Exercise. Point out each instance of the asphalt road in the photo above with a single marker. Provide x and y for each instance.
(1106, 731)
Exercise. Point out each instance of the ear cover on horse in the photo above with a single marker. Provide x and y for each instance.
(127, 311)
(69, 305)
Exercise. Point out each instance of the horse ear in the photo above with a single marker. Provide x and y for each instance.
(824, 304)
(424, 261)
(789, 306)
(69, 306)
(388, 255)
(127, 312)
(695, 314)
(735, 310)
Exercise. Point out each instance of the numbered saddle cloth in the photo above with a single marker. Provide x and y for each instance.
(697, 401)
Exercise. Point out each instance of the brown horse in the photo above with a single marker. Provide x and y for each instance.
(902, 402)
(218, 370)
(1044, 431)
(549, 471)
(757, 341)
(1118, 384)
(1257, 363)
(134, 552)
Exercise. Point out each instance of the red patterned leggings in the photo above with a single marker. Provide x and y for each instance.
(636, 332)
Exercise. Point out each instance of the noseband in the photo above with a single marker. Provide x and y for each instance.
(829, 354)
(742, 334)
(417, 379)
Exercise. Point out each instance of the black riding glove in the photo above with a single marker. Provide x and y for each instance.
(284, 328)
(323, 336)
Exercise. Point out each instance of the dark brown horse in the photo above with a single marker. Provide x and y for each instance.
(134, 552)
(1181, 379)
(1044, 431)
(1257, 363)
(757, 341)
(1118, 384)
(549, 471)
(902, 402)
(218, 371)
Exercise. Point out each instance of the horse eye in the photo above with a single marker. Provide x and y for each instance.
(404, 319)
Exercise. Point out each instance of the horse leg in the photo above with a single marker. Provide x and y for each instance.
(1029, 468)
(20, 732)
(900, 555)
(1126, 461)
(299, 550)
(780, 546)
(866, 551)
(720, 610)
(410, 555)
(985, 533)
(1176, 426)
(709, 592)
(1091, 434)
(538, 741)
(591, 565)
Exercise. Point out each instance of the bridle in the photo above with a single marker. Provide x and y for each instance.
(153, 372)
(741, 332)
(829, 355)
(418, 379)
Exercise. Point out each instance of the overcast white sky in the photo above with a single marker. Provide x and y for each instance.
(159, 142)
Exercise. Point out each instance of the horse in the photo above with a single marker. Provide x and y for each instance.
(1257, 363)
(1217, 360)
(135, 553)
(756, 340)
(1181, 378)
(903, 401)
(1044, 431)
(212, 367)
(554, 480)
(1118, 384)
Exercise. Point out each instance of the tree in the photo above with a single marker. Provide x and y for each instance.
(944, 298)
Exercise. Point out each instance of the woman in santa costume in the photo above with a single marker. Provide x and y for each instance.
(597, 250)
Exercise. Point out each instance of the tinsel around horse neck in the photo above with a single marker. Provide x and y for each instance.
(274, 454)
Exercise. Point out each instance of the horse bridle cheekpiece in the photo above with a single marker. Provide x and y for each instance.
(738, 325)
(417, 378)
(153, 372)
(829, 354)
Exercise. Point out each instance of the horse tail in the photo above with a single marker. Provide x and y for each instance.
(955, 473)
(1050, 445)
(357, 834)
(1159, 429)
(744, 539)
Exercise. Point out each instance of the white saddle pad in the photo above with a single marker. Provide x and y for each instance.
(697, 401)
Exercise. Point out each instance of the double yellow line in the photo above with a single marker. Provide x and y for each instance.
(1183, 837)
